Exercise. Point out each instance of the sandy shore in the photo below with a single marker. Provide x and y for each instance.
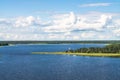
(82, 54)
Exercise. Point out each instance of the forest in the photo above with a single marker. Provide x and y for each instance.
(111, 48)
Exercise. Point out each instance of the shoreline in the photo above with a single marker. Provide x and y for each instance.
(82, 54)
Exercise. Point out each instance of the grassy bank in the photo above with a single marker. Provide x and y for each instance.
(82, 54)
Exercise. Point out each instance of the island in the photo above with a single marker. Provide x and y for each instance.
(110, 50)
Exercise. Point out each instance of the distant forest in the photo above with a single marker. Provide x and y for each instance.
(111, 48)
(4, 44)
(62, 42)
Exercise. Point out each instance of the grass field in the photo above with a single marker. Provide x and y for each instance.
(82, 54)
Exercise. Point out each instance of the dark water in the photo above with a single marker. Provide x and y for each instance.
(21, 66)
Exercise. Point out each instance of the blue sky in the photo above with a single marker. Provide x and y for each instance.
(59, 19)
(30, 7)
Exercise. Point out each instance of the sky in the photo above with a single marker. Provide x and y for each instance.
(59, 20)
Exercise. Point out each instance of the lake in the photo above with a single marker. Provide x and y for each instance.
(17, 63)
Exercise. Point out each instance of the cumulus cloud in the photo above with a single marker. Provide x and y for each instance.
(21, 21)
(62, 23)
(68, 26)
(117, 32)
(92, 22)
(66, 19)
(95, 4)
(4, 21)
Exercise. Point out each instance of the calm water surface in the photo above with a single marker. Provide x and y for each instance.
(16, 63)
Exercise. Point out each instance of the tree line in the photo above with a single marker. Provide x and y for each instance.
(112, 48)
(3, 44)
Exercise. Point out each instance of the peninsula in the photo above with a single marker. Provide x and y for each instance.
(111, 50)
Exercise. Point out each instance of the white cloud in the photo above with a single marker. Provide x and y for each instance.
(117, 32)
(62, 23)
(95, 22)
(68, 26)
(66, 19)
(95, 4)
(117, 22)
(87, 35)
(24, 22)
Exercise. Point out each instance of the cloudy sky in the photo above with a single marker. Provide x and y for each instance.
(59, 19)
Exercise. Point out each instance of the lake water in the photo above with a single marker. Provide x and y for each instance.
(17, 63)
(27, 49)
